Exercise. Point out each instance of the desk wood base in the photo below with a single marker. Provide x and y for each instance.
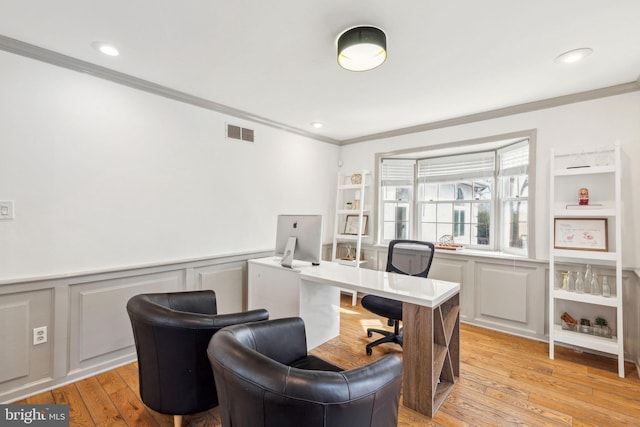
(432, 354)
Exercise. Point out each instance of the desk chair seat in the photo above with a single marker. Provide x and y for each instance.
(413, 258)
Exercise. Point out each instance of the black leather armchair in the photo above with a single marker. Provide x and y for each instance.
(265, 378)
(171, 333)
(416, 265)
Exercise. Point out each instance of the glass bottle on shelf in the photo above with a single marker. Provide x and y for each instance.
(606, 289)
(565, 281)
(595, 285)
(588, 277)
(557, 280)
(571, 284)
(579, 283)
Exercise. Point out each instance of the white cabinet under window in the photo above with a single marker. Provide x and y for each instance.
(586, 232)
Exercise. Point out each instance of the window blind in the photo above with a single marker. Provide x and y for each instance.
(397, 172)
(455, 168)
(514, 159)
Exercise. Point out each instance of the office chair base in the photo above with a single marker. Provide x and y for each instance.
(388, 336)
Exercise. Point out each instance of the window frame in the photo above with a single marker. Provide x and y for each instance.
(491, 143)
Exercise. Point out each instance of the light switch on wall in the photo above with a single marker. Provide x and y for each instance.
(6, 209)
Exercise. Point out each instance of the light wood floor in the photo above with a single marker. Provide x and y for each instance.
(504, 380)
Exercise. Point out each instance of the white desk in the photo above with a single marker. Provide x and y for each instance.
(430, 316)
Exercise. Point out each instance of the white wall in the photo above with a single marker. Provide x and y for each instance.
(576, 126)
(105, 176)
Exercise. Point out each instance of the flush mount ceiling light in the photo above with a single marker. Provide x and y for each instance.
(105, 48)
(574, 55)
(362, 48)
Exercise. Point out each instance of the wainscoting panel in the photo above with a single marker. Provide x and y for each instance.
(14, 330)
(21, 362)
(99, 324)
(502, 294)
(510, 298)
(453, 270)
(228, 282)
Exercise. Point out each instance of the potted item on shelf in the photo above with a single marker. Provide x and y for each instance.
(585, 326)
(601, 327)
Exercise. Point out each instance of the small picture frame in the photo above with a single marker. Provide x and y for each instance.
(584, 234)
(351, 224)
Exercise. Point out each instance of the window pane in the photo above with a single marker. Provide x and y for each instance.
(516, 186)
(482, 189)
(445, 212)
(388, 230)
(428, 232)
(389, 212)
(464, 191)
(428, 192)
(482, 219)
(402, 194)
(460, 216)
(388, 193)
(444, 229)
(428, 212)
(516, 230)
(464, 238)
(446, 192)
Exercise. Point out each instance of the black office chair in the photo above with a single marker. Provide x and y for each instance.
(415, 261)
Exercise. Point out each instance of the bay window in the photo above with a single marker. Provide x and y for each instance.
(477, 199)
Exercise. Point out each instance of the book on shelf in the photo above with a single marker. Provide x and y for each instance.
(590, 206)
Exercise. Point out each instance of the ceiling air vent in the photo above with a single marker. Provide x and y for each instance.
(236, 132)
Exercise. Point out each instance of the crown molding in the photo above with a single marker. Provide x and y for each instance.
(506, 111)
(54, 58)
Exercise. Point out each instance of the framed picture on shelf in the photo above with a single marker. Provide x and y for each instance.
(584, 234)
(351, 224)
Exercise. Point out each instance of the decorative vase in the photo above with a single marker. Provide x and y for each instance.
(579, 283)
(595, 285)
(606, 289)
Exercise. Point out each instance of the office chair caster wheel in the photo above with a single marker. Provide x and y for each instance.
(369, 352)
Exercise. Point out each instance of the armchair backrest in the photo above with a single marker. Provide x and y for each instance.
(257, 388)
(411, 257)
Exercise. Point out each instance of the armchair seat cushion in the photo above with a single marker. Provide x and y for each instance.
(313, 363)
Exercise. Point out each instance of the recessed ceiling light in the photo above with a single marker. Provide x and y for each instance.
(105, 48)
(574, 55)
(317, 125)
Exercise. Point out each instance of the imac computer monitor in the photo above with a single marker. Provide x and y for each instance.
(299, 237)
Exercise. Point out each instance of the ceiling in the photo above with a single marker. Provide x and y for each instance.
(276, 60)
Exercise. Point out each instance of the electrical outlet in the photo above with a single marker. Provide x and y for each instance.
(39, 335)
